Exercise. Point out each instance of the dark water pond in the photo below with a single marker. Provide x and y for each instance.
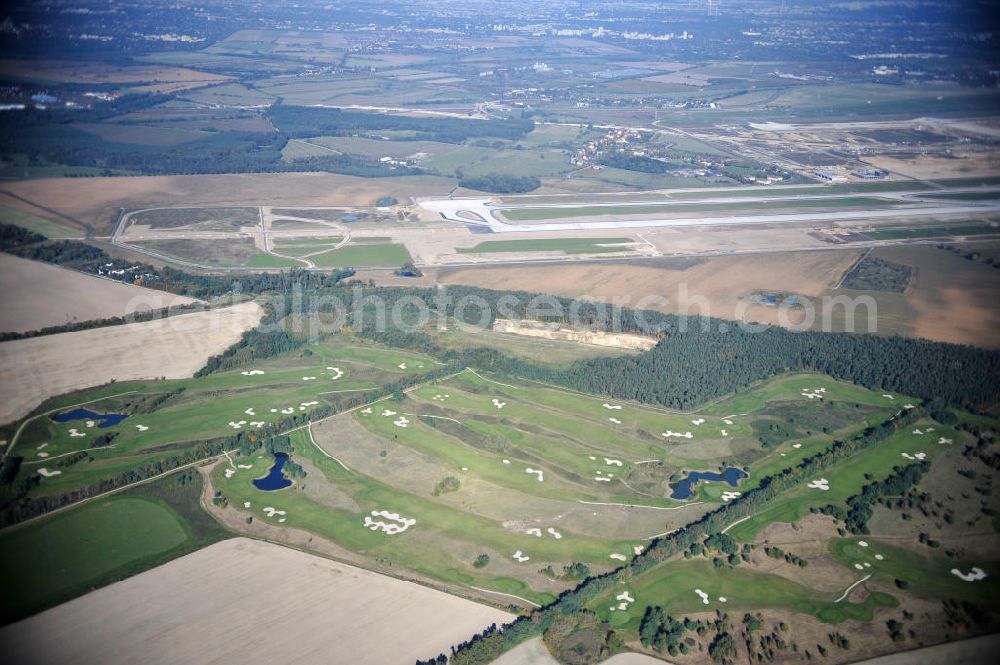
(275, 479)
(682, 490)
(102, 419)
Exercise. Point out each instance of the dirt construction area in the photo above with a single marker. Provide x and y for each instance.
(246, 601)
(37, 295)
(175, 347)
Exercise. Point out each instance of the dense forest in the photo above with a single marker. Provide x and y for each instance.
(500, 183)
(300, 121)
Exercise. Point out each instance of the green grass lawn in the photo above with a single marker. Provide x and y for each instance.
(845, 479)
(672, 585)
(537, 214)
(48, 561)
(567, 245)
(933, 232)
(353, 256)
(46, 227)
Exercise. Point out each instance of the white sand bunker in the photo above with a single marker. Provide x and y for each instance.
(602, 479)
(250, 412)
(974, 575)
(402, 421)
(727, 421)
(862, 543)
(367, 410)
(612, 407)
(930, 429)
(520, 556)
(337, 373)
(811, 395)
(252, 372)
(257, 423)
(288, 410)
(498, 404)
(619, 557)
(308, 378)
(702, 595)
(396, 523)
(401, 365)
(679, 435)
(887, 396)
(308, 403)
(612, 462)
(879, 557)
(73, 432)
(271, 511)
(90, 423)
(697, 421)
(729, 496)
(237, 424)
(534, 532)
(796, 445)
(537, 472)
(245, 466)
(141, 428)
(388, 414)
(42, 446)
(439, 398)
(917, 431)
(592, 458)
(230, 472)
(859, 566)
(625, 600)
(246, 504)
(638, 549)
(45, 473)
(916, 456)
(555, 534)
(615, 421)
(819, 484)
(724, 433)
(944, 441)
(43, 454)
(506, 461)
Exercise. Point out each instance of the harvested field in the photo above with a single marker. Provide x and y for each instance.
(98, 200)
(718, 282)
(253, 602)
(950, 298)
(534, 652)
(67, 296)
(175, 347)
(101, 72)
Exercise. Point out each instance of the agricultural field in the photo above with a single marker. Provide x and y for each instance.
(173, 347)
(238, 585)
(68, 295)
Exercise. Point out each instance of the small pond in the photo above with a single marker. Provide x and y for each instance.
(275, 479)
(682, 490)
(102, 419)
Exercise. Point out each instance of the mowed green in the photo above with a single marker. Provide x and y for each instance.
(45, 562)
(672, 585)
(537, 214)
(355, 256)
(565, 245)
(847, 477)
